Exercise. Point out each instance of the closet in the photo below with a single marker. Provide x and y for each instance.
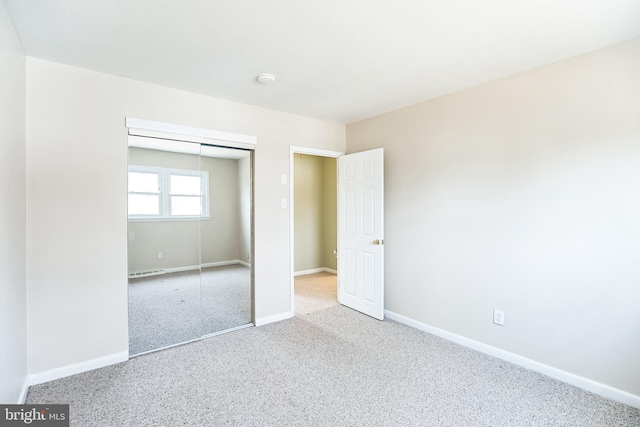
(189, 241)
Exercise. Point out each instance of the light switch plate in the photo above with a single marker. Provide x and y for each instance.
(283, 203)
(283, 179)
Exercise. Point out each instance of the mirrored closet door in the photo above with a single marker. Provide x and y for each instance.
(190, 273)
(225, 240)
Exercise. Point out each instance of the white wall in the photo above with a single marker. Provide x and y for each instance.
(522, 194)
(13, 252)
(77, 224)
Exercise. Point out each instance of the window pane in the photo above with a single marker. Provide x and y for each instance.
(185, 185)
(143, 204)
(140, 182)
(181, 205)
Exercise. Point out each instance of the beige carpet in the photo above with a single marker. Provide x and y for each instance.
(334, 367)
(314, 292)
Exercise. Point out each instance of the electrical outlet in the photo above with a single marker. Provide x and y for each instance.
(283, 203)
(498, 317)
(160, 255)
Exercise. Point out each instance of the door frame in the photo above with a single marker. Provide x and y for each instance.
(293, 150)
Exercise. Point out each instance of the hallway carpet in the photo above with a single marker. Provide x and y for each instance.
(315, 292)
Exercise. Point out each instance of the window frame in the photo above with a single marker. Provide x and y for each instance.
(164, 193)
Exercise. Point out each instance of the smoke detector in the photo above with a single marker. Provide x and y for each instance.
(266, 78)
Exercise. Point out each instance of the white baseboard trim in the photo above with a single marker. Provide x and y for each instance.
(558, 374)
(242, 263)
(315, 270)
(23, 393)
(67, 371)
(274, 318)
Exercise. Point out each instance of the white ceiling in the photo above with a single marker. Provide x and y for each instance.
(339, 60)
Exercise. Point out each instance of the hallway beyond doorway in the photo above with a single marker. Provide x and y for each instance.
(314, 292)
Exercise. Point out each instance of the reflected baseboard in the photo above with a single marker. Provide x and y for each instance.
(187, 268)
(222, 263)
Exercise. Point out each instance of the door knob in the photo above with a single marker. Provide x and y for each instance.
(376, 242)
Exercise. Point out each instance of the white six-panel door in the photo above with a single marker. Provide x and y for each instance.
(360, 232)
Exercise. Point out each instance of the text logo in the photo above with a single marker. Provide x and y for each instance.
(34, 415)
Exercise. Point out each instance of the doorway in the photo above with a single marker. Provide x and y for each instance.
(360, 223)
(313, 230)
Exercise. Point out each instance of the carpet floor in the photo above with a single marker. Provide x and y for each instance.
(179, 307)
(332, 367)
(315, 292)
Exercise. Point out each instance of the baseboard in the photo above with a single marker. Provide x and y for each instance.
(261, 321)
(23, 393)
(315, 270)
(311, 271)
(242, 263)
(558, 374)
(67, 371)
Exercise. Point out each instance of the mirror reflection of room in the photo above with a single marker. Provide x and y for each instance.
(189, 243)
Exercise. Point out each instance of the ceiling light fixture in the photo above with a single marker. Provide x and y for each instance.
(266, 78)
